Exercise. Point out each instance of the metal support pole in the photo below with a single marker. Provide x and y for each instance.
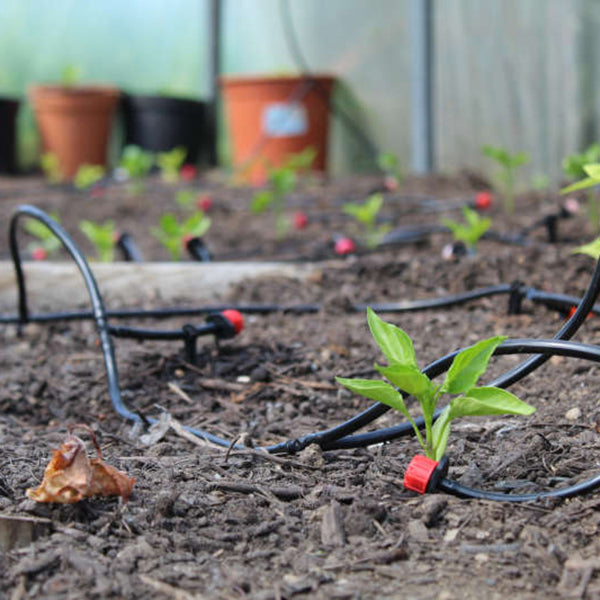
(421, 86)
(214, 69)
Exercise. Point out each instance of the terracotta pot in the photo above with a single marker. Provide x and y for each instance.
(8, 117)
(272, 117)
(75, 123)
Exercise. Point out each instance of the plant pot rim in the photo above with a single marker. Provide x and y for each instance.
(249, 79)
(92, 89)
(164, 103)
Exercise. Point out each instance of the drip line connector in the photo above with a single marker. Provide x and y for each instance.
(227, 323)
(128, 248)
(424, 474)
(198, 249)
(518, 291)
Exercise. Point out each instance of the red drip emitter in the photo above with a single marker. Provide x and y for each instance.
(423, 474)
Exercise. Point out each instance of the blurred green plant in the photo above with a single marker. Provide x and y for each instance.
(574, 167)
(185, 198)
(102, 236)
(282, 181)
(136, 163)
(508, 164)
(365, 215)
(46, 240)
(88, 175)
(70, 75)
(471, 231)
(592, 249)
(389, 163)
(174, 235)
(51, 168)
(170, 163)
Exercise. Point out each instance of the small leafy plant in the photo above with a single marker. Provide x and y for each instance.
(282, 181)
(185, 198)
(592, 249)
(88, 175)
(508, 163)
(136, 163)
(461, 382)
(576, 166)
(170, 163)
(102, 236)
(366, 216)
(471, 231)
(70, 75)
(47, 243)
(174, 235)
(51, 167)
(388, 162)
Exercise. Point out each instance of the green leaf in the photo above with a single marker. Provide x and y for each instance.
(261, 201)
(380, 391)
(592, 249)
(283, 180)
(395, 344)
(580, 185)
(519, 159)
(197, 225)
(469, 365)
(410, 380)
(168, 223)
(485, 401)
(592, 171)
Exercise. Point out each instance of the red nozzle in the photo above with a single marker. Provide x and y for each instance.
(39, 254)
(204, 203)
(344, 246)
(300, 220)
(235, 318)
(419, 472)
(483, 200)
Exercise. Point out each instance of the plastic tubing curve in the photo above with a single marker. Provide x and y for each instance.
(340, 436)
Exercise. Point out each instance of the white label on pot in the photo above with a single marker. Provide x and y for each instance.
(282, 119)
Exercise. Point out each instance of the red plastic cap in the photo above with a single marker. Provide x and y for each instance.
(344, 246)
(573, 310)
(419, 472)
(483, 200)
(188, 172)
(204, 203)
(39, 254)
(235, 318)
(300, 220)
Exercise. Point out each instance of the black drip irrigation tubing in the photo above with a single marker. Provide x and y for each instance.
(342, 435)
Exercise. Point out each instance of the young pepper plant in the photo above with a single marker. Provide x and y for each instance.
(136, 163)
(47, 243)
(174, 235)
(88, 175)
(461, 382)
(471, 231)
(590, 177)
(170, 163)
(282, 181)
(508, 163)
(102, 236)
(366, 216)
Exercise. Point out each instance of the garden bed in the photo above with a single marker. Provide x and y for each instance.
(337, 524)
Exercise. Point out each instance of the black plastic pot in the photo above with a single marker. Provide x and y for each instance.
(8, 118)
(159, 123)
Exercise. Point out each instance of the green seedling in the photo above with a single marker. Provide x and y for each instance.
(51, 168)
(137, 164)
(460, 382)
(88, 175)
(574, 167)
(388, 162)
(102, 237)
(471, 231)
(70, 75)
(366, 216)
(508, 163)
(46, 240)
(185, 198)
(174, 235)
(170, 163)
(281, 181)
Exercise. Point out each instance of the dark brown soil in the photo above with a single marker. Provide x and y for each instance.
(203, 523)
